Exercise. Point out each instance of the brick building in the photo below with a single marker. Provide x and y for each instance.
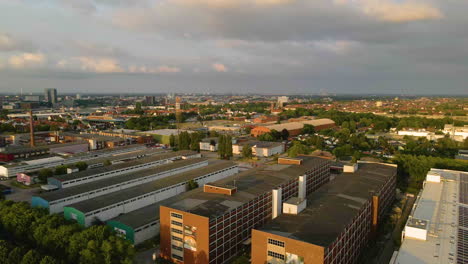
(336, 221)
(294, 128)
(213, 224)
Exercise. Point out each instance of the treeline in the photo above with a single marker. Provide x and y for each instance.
(45, 173)
(378, 122)
(186, 141)
(225, 146)
(412, 169)
(144, 123)
(149, 122)
(31, 236)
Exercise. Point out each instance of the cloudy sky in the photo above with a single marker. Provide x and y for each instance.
(238, 46)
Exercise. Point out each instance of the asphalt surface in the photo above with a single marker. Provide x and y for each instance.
(19, 194)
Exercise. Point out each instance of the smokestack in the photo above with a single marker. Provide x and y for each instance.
(31, 129)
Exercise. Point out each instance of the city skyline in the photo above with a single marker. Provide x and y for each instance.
(202, 46)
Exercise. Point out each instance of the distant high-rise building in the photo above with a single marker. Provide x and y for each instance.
(78, 96)
(150, 100)
(51, 95)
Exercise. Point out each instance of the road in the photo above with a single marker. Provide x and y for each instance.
(19, 194)
(146, 257)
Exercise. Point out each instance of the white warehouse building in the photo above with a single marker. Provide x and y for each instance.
(111, 205)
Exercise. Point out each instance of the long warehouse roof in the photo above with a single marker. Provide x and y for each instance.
(86, 173)
(87, 187)
(115, 197)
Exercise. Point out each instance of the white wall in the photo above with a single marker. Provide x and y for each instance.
(276, 203)
(153, 197)
(57, 206)
(147, 233)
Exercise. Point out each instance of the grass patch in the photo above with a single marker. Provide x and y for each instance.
(22, 186)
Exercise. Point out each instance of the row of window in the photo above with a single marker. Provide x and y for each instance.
(276, 255)
(152, 193)
(275, 242)
(120, 184)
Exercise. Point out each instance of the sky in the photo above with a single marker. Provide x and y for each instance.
(235, 46)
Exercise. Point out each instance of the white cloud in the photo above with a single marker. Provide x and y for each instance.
(100, 65)
(338, 47)
(393, 11)
(160, 69)
(26, 60)
(219, 67)
(232, 3)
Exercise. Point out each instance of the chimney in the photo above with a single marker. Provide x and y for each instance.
(31, 129)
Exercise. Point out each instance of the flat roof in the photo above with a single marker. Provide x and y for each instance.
(437, 204)
(141, 216)
(333, 206)
(115, 197)
(250, 184)
(88, 156)
(94, 171)
(87, 187)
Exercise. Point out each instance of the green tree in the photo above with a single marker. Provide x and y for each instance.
(107, 163)
(297, 148)
(241, 260)
(195, 139)
(32, 257)
(15, 256)
(284, 134)
(5, 248)
(247, 151)
(192, 185)
(45, 173)
(48, 260)
(308, 129)
(228, 150)
(221, 146)
(172, 140)
(81, 165)
(61, 169)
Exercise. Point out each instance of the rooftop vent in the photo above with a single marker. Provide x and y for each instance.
(350, 168)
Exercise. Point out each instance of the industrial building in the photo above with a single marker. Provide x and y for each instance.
(73, 179)
(11, 169)
(212, 224)
(331, 225)
(294, 128)
(139, 225)
(260, 148)
(111, 205)
(437, 228)
(55, 201)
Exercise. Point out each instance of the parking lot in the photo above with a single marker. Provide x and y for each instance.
(19, 194)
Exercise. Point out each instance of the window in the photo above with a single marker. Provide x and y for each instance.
(176, 231)
(177, 238)
(177, 257)
(176, 247)
(176, 223)
(176, 215)
(276, 255)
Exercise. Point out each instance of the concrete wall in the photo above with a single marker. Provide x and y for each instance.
(309, 253)
(135, 203)
(57, 206)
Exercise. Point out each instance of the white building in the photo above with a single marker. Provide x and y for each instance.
(209, 144)
(260, 148)
(437, 230)
(458, 133)
(111, 205)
